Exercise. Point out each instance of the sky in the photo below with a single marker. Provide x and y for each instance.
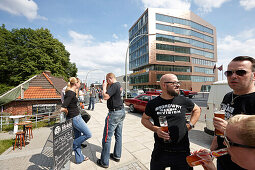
(95, 32)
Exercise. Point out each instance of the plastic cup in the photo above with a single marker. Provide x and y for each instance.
(220, 114)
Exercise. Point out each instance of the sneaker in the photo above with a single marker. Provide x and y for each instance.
(100, 164)
(113, 158)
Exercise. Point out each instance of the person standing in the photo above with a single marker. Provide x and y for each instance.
(113, 121)
(172, 153)
(92, 97)
(70, 108)
(241, 78)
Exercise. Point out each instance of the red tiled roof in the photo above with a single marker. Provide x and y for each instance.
(39, 92)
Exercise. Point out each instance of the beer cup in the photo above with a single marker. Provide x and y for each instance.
(220, 114)
(164, 126)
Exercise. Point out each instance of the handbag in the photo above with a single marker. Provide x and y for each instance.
(85, 116)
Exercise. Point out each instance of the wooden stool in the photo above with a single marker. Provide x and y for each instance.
(29, 131)
(20, 136)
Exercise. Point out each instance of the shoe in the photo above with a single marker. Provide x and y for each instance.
(113, 158)
(83, 145)
(92, 110)
(100, 164)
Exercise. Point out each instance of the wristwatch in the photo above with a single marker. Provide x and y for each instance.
(191, 125)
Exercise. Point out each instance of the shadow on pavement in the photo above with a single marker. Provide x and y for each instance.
(200, 138)
(90, 151)
(41, 161)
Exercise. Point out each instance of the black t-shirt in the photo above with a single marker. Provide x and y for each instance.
(174, 110)
(243, 104)
(115, 101)
(70, 102)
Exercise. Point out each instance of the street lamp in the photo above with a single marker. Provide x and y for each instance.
(127, 57)
(88, 74)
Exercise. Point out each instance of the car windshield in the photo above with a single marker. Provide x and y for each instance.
(134, 95)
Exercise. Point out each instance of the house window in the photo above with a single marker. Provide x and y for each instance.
(43, 108)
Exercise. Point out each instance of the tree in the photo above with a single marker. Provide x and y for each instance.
(26, 52)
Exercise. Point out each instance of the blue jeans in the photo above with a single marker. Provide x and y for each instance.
(79, 126)
(113, 125)
(92, 102)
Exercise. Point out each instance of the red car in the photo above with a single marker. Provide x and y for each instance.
(188, 93)
(139, 102)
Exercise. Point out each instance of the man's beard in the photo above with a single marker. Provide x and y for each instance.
(172, 93)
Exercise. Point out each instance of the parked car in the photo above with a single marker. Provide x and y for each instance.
(139, 102)
(188, 93)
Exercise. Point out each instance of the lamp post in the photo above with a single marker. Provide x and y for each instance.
(127, 57)
(88, 74)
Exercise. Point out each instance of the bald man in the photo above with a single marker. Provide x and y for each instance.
(170, 149)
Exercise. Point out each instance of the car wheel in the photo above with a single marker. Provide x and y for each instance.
(132, 108)
(190, 97)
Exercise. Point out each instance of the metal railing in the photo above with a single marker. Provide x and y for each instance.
(48, 117)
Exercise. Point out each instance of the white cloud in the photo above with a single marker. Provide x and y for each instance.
(80, 39)
(115, 36)
(125, 25)
(231, 46)
(206, 6)
(172, 4)
(27, 8)
(247, 4)
(104, 56)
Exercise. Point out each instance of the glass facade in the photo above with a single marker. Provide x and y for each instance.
(186, 50)
(142, 78)
(192, 78)
(203, 70)
(184, 31)
(172, 58)
(170, 19)
(174, 39)
(172, 68)
(203, 62)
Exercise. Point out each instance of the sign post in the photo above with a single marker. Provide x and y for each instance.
(62, 143)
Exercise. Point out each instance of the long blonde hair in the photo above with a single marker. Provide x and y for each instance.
(71, 83)
(245, 128)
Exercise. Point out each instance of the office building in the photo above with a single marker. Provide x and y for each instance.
(172, 41)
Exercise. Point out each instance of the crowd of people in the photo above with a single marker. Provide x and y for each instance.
(171, 147)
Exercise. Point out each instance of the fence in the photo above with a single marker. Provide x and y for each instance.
(35, 119)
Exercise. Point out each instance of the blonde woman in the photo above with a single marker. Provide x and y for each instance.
(71, 110)
(240, 140)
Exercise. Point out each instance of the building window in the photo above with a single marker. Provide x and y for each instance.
(203, 70)
(139, 79)
(188, 77)
(43, 108)
(185, 50)
(184, 31)
(192, 24)
(203, 62)
(172, 58)
(172, 68)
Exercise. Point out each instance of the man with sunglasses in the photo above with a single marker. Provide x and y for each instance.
(170, 149)
(241, 78)
(239, 137)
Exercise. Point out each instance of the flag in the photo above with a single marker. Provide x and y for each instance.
(220, 68)
(214, 67)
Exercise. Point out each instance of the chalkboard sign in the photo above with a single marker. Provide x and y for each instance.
(62, 143)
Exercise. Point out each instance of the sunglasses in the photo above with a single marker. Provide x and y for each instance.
(238, 72)
(176, 83)
(229, 143)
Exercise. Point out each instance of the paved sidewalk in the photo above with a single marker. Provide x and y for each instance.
(137, 145)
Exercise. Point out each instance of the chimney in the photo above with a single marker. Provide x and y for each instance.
(48, 73)
(22, 92)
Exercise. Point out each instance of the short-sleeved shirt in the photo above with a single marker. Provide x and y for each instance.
(243, 104)
(115, 101)
(174, 110)
(70, 102)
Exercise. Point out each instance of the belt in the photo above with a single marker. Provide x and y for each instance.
(115, 109)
